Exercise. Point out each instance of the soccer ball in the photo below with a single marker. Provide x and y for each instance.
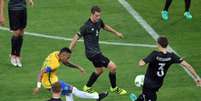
(139, 80)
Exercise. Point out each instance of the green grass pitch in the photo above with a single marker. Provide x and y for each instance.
(64, 17)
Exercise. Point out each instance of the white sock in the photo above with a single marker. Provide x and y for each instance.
(69, 97)
(84, 95)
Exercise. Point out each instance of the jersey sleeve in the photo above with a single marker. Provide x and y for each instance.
(149, 58)
(48, 69)
(83, 31)
(102, 23)
(176, 58)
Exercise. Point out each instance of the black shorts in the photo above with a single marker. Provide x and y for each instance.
(17, 19)
(99, 61)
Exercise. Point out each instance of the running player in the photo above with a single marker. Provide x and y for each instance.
(159, 63)
(90, 31)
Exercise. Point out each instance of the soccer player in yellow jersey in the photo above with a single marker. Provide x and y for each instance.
(47, 76)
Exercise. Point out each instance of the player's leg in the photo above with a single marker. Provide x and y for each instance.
(167, 5)
(14, 47)
(13, 22)
(187, 13)
(83, 94)
(23, 23)
(112, 76)
(151, 96)
(69, 97)
(86, 95)
(164, 13)
(141, 98)
(68, 90)
(147, 95)
(18, 48)
(92, 79)
(17, 20)
(94, 76)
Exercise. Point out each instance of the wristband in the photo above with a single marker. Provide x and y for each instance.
(38, 84)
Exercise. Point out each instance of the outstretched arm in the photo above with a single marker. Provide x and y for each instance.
(141, 63)
(36, 90)
(110, 29)
(2, 12)
(72, 65)
(192, 71)
(74, 42)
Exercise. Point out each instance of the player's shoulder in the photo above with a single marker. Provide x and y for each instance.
(171, 53)
(154, 52)
(53, 54)
(86, 24)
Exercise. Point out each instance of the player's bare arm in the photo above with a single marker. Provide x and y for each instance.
(110, 29)
(193, 72)
(72, 65)
(2, 13)
(37, 89)
(73, 42)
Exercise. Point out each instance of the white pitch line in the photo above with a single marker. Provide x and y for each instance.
(148, 28)
(69, 39)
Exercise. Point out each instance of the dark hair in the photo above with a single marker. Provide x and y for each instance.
(163, 41)
(56, 87)
(95, 9)
(65, 49)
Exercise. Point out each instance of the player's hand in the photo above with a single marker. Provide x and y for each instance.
(198, 83)
(36, 90)
(2, 20)
(82, 71)
(31, 3)
(120, 35)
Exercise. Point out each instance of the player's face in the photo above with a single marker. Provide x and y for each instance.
(96, 16)
(64, 57)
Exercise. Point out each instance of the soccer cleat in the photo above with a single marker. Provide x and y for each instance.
(13, 60)
(118, 91)
(18, 61)
(102, 96)
(188, 15)
(133, 97)
(164, 15)
(89, 89)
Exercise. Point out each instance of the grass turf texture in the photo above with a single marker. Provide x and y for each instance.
(64, 17)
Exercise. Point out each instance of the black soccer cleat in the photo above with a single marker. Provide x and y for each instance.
(102, 96)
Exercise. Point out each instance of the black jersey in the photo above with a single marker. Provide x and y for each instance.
(158, 65)
(90, 32)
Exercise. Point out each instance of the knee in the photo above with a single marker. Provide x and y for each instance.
(18, 33)
(99, 72)
(112, 68)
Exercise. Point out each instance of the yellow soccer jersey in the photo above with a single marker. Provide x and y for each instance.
(50, 66)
